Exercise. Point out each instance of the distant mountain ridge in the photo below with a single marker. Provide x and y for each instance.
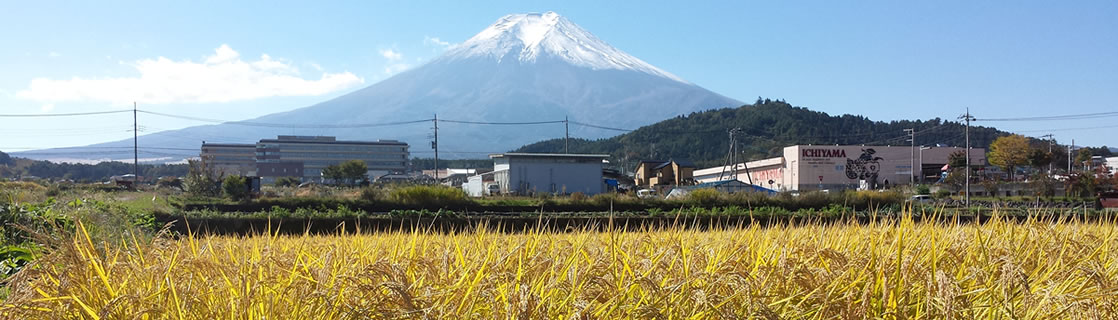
(767, 127)
(522, 68)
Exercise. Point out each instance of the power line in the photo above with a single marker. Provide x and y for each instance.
(1067, 129)
(1060, 117)
(599, 127)
(501, 123)
(44, 115)
(283, 125)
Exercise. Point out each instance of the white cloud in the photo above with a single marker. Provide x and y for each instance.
(53, 54)
(395, 62)
(435, 41)
(391, 55)
(47, 107)
(221, 77)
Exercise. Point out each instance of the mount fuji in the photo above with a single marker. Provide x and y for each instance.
(522, 68)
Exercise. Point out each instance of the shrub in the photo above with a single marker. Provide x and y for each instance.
(169, 183)
(235, 187)
(429, 196)
(705, 196)
(372, 194)
(604, 200)
(287, 182)
(943, 193)
(201, 181)
(578, 197)
(923, 189)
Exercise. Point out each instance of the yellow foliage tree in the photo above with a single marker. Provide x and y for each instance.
(1008, 152)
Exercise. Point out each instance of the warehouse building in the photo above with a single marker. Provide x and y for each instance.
(531, 173)
(315, 153)
(303, 157)
(808, 167)
(229, 159)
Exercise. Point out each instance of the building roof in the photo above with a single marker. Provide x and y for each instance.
(730, 184)
(661, 163)
(330, 140)
(741, 167)
(547, 155)
(237, 145)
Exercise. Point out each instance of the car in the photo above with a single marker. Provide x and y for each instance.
(921, 198)
(646, 193)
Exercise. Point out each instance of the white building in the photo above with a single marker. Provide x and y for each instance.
(529, 173)
(808, 167)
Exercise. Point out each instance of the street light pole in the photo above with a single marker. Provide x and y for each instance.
(922, 148)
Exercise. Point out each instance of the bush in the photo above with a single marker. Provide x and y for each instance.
(923, 189)
(943, 193)
(287, 182)
(578, 197)
(605, 200)
(169, 183)
(235, 187)
(706, 196)
(429, 196)
(201, 181)
(372, 194)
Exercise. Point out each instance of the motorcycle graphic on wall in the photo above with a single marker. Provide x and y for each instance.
(865, 167)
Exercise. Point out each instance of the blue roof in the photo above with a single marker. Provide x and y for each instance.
(731, 184)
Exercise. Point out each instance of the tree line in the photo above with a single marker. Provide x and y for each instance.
(767, 126)
(17, 167)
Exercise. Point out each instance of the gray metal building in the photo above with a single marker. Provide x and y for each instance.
(530, 173)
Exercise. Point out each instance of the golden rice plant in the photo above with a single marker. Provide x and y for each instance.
(891, 269)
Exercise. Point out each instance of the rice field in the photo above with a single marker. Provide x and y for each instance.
(888, 269)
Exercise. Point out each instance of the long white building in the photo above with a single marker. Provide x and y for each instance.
(816, 167)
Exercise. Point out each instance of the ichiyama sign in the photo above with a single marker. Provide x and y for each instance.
(824, 153)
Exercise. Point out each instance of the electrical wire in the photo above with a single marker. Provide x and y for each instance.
(1060, 117)
(282, 125)
(502, 123)
(45, 115)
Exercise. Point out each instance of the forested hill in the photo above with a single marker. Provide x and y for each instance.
(767, 126)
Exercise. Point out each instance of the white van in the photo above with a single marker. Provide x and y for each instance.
(921, 198)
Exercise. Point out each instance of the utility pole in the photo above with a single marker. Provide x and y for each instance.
(1069, 155)
(730, 158)
(567, 139)
(912, 156)
(968, 118)
(435, 145)
(135, 148)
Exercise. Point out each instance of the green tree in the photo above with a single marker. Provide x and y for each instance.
(1039, 158)
(348, 172)
(235, 187)
(1009, 152)
(333, 172)
(1083, 155)
(354, 170)
(200, 181)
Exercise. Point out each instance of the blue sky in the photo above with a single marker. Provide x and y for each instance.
(886, 60)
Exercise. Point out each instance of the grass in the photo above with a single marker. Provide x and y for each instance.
(890, 268)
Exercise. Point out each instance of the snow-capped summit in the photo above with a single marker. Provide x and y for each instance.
(528, 37)
(523, 68)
